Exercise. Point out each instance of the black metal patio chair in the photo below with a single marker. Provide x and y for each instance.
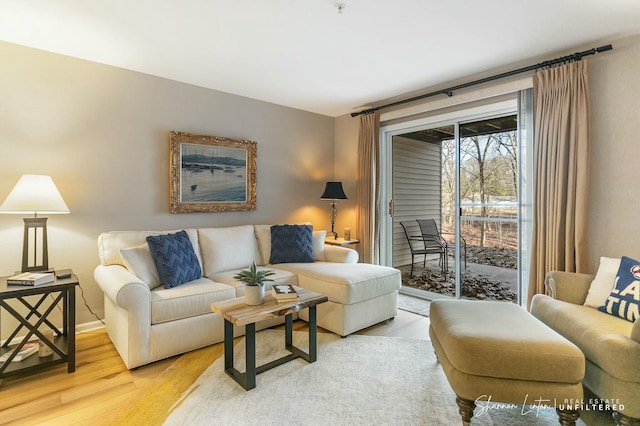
(415, 244)
(420, 246)
(434, 243)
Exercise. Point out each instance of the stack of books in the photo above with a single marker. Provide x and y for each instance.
(284, 292)
(31, 278)
(27, 350)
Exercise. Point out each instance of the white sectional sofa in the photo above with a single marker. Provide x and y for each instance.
(147, 322)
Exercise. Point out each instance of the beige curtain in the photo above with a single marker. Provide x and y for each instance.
(367, 187)
(561, 172)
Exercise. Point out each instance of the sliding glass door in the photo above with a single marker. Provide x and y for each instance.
(453, 222)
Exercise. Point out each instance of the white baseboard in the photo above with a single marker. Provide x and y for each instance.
(80, 328)
(89, 326)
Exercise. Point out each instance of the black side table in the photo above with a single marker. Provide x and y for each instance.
(63, 343)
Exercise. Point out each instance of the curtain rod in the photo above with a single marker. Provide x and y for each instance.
(449, 91)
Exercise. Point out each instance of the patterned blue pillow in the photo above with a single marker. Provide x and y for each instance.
(624, 300)
(292, 244)
(175, 258)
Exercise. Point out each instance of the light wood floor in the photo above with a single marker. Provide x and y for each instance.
(101, 387)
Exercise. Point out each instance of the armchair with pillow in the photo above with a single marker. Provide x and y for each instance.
(600, 315)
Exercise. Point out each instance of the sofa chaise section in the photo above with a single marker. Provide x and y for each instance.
(359, 294)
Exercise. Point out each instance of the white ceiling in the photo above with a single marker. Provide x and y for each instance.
(303, 53)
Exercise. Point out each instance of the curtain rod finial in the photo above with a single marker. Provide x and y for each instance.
(604, 48)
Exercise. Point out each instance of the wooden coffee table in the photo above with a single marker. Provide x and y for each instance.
(237, 312)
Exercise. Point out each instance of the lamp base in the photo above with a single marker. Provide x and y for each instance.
(35, 227)
(333, 213)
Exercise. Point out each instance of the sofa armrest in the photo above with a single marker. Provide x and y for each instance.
(338, 254)
(568, 286)
(123, 288)
(129, 324)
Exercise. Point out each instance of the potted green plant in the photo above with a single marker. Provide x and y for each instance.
(254, 284)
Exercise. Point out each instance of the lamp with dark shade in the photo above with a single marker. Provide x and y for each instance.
(333, 191)
(34, 194)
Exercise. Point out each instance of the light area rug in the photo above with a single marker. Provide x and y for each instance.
(358, 380)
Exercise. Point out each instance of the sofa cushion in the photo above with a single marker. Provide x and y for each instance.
(280, 277)
(229, 248)
(188, 300)
(603, 282)
(139, 261)
(345, 283)
(175, 258)
(291, 244)
(318, 245)
(263, 236)
(624, 300)
(604, 339)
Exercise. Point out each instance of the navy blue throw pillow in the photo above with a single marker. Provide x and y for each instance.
(624, 300)
(175, 258)
(292, 244)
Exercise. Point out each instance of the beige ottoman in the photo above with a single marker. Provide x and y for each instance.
(498, 352)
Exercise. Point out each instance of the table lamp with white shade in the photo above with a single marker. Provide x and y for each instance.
(34, 194)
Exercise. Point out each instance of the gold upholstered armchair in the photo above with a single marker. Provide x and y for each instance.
(611, 345)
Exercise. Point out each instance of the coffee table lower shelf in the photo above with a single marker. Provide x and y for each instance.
(248, 379)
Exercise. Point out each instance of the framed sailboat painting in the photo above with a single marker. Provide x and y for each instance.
(211, 173)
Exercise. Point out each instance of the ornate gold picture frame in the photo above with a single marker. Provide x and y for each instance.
(211, 174)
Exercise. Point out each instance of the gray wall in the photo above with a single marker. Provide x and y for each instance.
(102, 133)
(614, 83)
